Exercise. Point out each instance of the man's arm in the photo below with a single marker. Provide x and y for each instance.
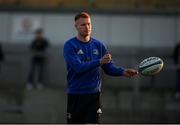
(110, 69)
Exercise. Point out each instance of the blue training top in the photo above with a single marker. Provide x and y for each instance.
(83, 62)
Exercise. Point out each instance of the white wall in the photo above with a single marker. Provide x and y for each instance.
(159, 31)
(5, 26)
(125, 30)
(100, 29)
(114, 30)
(59, 28)
(16, 19)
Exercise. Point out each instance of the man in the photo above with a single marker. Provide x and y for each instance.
(84, 55)
(176, 56)
(39, 48)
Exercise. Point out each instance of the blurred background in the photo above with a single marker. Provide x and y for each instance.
(131, 29)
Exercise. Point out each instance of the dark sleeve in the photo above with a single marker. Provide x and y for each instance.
(1, 54)
(47, 43)
(176, 54)
(32, 45)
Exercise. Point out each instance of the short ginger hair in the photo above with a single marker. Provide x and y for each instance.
(81, 15)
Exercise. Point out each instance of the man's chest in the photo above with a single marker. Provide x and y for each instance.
(88, 53)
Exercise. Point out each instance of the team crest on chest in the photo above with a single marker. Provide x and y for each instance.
(95, 52)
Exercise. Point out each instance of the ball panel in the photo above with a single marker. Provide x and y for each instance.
(151, 66)
(152, 70)
(149, 61)
(142, 67)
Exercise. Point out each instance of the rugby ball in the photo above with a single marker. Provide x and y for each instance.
(150, 66)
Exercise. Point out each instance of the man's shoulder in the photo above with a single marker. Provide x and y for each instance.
(70, 41)
(97, 42)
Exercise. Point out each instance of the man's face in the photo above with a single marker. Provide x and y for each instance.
(39, 35)
(83, 26)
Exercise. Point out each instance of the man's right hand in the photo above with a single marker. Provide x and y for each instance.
(105, 59)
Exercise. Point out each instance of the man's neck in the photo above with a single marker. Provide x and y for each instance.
(83, 39)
